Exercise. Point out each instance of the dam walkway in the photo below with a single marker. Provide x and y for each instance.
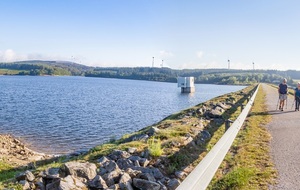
(285, 144)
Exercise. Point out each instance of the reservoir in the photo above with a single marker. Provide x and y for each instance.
(64, 114)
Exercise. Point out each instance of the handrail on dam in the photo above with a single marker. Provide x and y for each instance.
(201, 176)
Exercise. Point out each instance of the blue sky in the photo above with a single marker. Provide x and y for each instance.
(185, 34)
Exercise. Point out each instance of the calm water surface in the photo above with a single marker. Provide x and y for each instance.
(64, 114)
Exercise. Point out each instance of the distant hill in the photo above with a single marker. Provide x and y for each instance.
(38, 67)
(211, 76)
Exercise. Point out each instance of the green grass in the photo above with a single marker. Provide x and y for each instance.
(236, 179)
(7, 172)
(9, 72)
(154, 147)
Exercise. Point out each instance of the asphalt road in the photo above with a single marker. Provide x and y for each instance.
(285, 144)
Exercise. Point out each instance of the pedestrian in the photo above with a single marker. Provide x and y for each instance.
(297, 97)
(282, 90)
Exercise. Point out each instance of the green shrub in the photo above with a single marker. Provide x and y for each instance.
(154, 146)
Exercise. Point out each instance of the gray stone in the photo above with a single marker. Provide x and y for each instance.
(84, 170)
(49, 180)
(205, 135)
(136, 163)
(114, 187)
(132, 173)
(144, 162)
(39, 184)
(125, 182)
(162, 186)
(54, 185)
(223, 105)
(118, 154)
(152, 131)
(147, 176)
(79, 152)
(132, 150)
(124, 163)
(215, 113)
(103, 160)
(180, 174)
(145, 185)
(145, 154)
(134, 158)
(173, 184)
(107, 166)
(70, 182)
(50, 172)
(27, 175)
(137, 137)
(111, 177)
(67, 183)
(25, 184)
(126, 186)
(154, 171)
(97, 183)
(125, 177)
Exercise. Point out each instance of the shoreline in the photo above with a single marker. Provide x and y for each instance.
(16, 153)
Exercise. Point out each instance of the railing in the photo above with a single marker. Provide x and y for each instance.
(201, 176)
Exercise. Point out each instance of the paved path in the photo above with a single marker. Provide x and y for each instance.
(285, 144)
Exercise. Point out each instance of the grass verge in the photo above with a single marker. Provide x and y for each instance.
(248, 164)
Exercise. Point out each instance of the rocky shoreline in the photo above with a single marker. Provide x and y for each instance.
(14, 152)
(129, 168)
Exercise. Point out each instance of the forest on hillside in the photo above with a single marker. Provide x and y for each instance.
(207, 76)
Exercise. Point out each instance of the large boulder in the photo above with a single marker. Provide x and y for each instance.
(145, 184)
(70, 182)
(125, 182)
(215, 113)
(137, 137)
(27, 175)
(112, 177)
(118, 154)
(84, 170)
(124, 163)
(152, 131)
(205, 135)
(54, 172)
(48, 181)
(173, 184)
(25, 184)
(97, 183)
(154, 171)
(147, 176)
(107, 165)
(54, 185)
(223, 105)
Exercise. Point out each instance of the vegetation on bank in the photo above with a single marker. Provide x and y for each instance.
(207, 76)
(248, 164)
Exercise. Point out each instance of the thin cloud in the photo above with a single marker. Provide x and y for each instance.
(10, 55)
(7, 56)
(165, 54)
(200, 54)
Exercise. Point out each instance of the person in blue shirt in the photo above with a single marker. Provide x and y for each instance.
(282, 90)
(297, 97)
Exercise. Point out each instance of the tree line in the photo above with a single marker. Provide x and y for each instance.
(211, 76)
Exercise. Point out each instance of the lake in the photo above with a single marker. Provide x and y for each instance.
(63, 114)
